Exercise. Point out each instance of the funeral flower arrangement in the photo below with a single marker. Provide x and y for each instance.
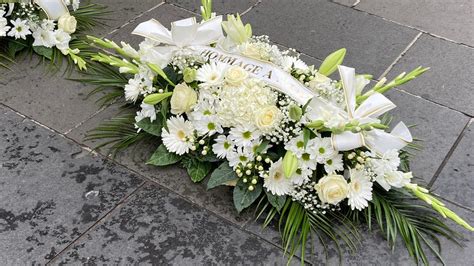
(50, 29)
(309, 151)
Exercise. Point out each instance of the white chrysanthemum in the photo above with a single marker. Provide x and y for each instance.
(296, 145)
(207, 125)
(360, 190)
(290, 62)
(211, 74)
(178, 137)
(334, 163)
(132, 90)
(20, 29)
(301, 176)
(223, 146)
(243, 136)
(323, 149)
(276, 182)
(241, 155)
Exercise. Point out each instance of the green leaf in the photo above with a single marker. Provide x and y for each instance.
(44, 51)
(262, 146)
(197, 170)
(331, 62)
(243, 198)
(162, 157)
(153, 128)
(276, 201)
(223, 174)
(160, 72)
(156, 97)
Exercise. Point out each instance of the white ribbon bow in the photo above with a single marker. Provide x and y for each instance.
(376, 140)
(54, 9)
(184, 33)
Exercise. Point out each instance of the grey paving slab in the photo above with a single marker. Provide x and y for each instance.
(122, 11)
(165, 14)
(48, 98)
(319, 27)
(218, 6)
(48, 189)
(449, 81)
(349, 3)
(218, 200)
(455, 181)
(451, 19)
(157, 227)
(437, 127)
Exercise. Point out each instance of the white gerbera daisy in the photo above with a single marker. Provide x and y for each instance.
(276, 182)
(178, 138)
(223, 146)
(211, 74)
(20, 29)
(360, 190)
(334, 163)
(243, 136)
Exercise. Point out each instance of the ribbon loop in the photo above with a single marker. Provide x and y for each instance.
(54, 9)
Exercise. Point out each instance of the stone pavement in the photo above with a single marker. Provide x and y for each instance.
(62, 204)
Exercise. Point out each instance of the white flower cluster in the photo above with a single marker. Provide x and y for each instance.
(225, 111)
(22, 20)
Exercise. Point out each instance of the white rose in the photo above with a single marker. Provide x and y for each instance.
(398, 179)
(183, 99)
(67, 23)
(267, 118)
(235, 75)
(319, 79)
(332, 189)
(251, 50)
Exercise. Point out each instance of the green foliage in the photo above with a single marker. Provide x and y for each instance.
(222, 175)
(276, 201)
(153, 128)
(162, 157)
(44, 51)
(119, 133)
(400, 216)
(243, 197)
(197, 170)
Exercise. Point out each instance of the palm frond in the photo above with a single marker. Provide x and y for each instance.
(399, 215)
(118, 134)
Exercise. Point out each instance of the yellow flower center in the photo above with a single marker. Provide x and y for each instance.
(181, 135)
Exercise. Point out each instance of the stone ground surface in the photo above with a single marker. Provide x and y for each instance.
(61, 204)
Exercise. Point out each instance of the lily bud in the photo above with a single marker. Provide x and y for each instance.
(290, 164)
(295, 113)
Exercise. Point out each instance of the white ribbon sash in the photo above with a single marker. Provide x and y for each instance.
(54, 9)
(376, 140)
(198, 36)
(271, 74)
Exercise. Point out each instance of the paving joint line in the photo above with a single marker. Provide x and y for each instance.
(251, 7)
(182, 8)
(404, 51)
(453, 202)
(448, 155)
(96, 223)
(145, 179)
